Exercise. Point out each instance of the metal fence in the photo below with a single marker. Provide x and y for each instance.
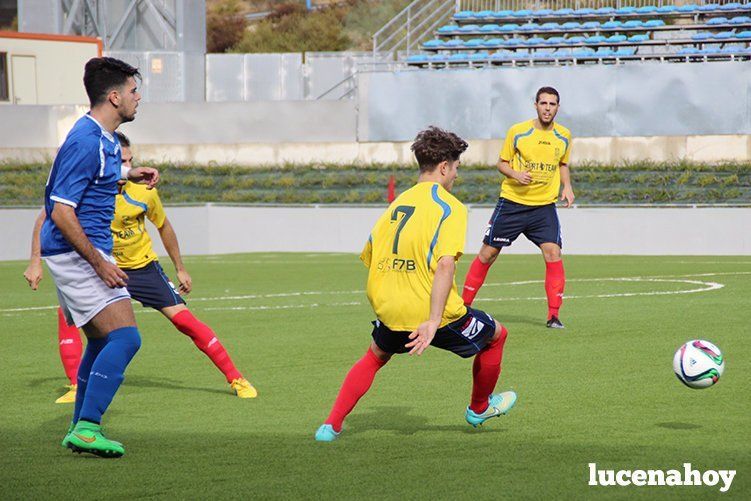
(167, 76)
(412, 26)
(496, 5)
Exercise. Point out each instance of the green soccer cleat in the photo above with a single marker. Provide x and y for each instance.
(66, 439)
(88, 437)
(326, 433)
(498, 405)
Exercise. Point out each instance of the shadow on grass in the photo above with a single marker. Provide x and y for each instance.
(141, 382)
(399, 419)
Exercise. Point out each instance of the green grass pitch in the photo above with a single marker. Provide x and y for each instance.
(600, 391)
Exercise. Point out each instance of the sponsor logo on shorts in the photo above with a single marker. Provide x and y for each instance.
(472, 329)
(499, 239)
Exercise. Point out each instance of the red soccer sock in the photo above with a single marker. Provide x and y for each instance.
(206, 341)
(355, 385)
(70, 346)
(555, 281)
(485, 371)
(474, 280)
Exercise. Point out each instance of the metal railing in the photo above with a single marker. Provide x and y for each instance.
(496, 5)
(412, 26)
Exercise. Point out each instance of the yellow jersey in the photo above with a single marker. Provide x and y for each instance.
(131, 243)
(541, 152)
(422, 225)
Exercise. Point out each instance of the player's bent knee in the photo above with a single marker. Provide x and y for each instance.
(500, 332)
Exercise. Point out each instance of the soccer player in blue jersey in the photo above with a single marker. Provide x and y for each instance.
(79, 202)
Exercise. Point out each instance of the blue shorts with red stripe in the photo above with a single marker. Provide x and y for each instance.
(151, 287)
(539, 223)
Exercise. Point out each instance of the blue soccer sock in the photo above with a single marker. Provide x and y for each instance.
(108, 371)
(93, 348)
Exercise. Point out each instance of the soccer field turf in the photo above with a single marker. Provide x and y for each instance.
(601, 391)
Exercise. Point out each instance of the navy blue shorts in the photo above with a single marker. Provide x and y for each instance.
(539, 223)
(466, 337)
(151, 287)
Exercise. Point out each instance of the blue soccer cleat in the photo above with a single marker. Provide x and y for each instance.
(498, 405)
(326, 433)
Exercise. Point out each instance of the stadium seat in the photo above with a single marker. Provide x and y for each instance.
(625, 10)
(479, 56)
(563, 12)
(638, 38)
(493, 42)
(586, 11)
(469, 27)
(417, 58)
(484, 13)
(529, 27)
(542, 54)
(555, 40)
(701, 36)
(688, 51)
(625, 51)
(629, 25)
(575, 40)
(605, 11)
(595, 39)
(534, 41)
(731, 6)
(717, 20)
(731, 50)
(687, 8)
(449, 28)
(571, 25)
(653, 23)
(550, 26)
(740, 20)
(454, 43)
(744, 35)
(667, 9)
(604, 52)
(616, 38)
(501, 14)
(490, 28)
(474, 43)
(437, 58)
(510, 27)
(458, 57)
(611, 25)
(709, 7)
(522, 13)
(724, 35)
(514, 41)
(562, 53)
(433, 44)
(465, 14)
(583, 52)
(591, 25)
(647, 9)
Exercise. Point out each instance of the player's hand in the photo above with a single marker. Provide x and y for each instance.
(144, 175)
(186, 284)
(523, 177)
(33, 274)
(422, 337)
(568, 195)
(111, 275)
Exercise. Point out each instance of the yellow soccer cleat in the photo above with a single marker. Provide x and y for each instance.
(70, 396)
(243, 388)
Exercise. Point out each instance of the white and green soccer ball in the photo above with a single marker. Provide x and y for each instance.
(698, 364)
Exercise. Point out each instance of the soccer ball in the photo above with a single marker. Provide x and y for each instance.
(698, 364)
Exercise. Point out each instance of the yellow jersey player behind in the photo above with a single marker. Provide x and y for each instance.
(411, 255)
(147, 283)
(534, 161)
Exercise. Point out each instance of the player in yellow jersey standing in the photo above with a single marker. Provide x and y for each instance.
(411, 255)
(147, 282)
(534, 160)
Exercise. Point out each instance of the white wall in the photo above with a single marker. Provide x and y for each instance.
(213, 229)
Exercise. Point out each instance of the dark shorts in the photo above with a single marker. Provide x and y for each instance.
(539, 223)
(466, 337)
(151, 287)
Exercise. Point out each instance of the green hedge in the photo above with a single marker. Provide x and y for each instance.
(637, 183)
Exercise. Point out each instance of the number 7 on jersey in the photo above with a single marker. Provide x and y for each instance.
(407, 210)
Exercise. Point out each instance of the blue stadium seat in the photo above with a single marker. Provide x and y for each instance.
(500, 54)
(522, 13)
(611, 25)
(704, 35)
(469, 27)
(717, 20)
(563, 12)
(449, 28)
(484, 13)
(583, 52)
(653, 23)
(417, 58)
(744, 35)
(550, 26)
(534, 41)
(632, 24)
(740, 20)
(731, 50)
(724, 35)
(542, 54)
(586, 11)
(731, 6)
(465, 14)
(490, 28)
(604, 52)
(687, 8)
(437, 58)
(514, 41)
(571, 25)
(647, 9)
(595, 39)
(575, 40)
(510, 27)
(625, 51)
(500, 14)
(458, 57)
(605, 11)
(493, 42)
(638, 38)
(482, 55)
(591, 25)
(688, 51)
(432, 44)
(474, 43)
(617, 38)
(454, 43)
(667, 9)
(555, 40)
(544, 12)
(709, 7)
(520, 54)
(529, 27)
(562, 53)
(625, 10)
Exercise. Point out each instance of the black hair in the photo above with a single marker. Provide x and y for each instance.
(102, 74)
(434, 145)
(547, 90)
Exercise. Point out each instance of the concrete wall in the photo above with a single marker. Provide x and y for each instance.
(213, 229)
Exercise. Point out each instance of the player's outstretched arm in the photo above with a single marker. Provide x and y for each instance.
(442, 283)
(64, 217)
(34, 272)
(504, 167)
(567, 191)
(144, 175)
(169, 239)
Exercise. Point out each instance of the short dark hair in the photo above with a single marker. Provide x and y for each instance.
(547, 90)
(434, 145)
(124, 141)
(102, 74)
